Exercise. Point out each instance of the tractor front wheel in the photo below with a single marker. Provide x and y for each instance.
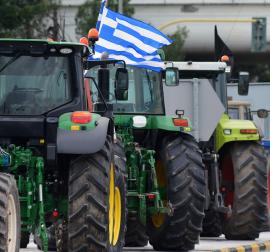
(96, 203)
(10, 221)
(136, 232)
(180, 173)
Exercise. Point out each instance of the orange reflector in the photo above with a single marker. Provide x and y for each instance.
(81, 117)
(151, 196)
(93, 34)
(84, 41)
(225, 58)
(248, 131)
(180, 122)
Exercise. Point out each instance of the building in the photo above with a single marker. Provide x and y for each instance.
(232, 17)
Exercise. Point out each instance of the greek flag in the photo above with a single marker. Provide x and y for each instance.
(103, 3)
(127, 39)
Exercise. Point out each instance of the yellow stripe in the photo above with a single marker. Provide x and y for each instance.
(207, 20)
(240, 249)
(224, 250)
(255, 247)
(267, 245)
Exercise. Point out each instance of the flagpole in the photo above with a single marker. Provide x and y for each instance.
(120, 6)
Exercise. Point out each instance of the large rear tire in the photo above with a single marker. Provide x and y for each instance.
(10, 221)
(185, 191)
(120, 183)
(96, 212)
(246, 165)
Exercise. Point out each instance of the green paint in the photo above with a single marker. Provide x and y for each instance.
(66, 123)
(36, 201)
(161, 122)
(235, 126)
(141, 169)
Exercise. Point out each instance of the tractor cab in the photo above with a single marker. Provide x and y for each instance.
(51, 144)
(39, 81)
(142, 96)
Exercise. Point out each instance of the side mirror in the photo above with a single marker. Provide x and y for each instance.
(121, 84)
(171, 76)
(243, 83)
(262, 113)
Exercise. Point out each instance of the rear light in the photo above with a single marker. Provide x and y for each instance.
(180, 122)
(55, 213)
(151, 196)
(81, 117)
(248, 131)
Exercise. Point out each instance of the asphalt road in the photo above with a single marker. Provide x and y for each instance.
(208, 244)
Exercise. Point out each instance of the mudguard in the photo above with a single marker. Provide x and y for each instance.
(233, 127)
(83, 142)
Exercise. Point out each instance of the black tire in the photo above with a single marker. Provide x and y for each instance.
(184, 171)
(120, 182)
(9, 193)
(212, 224)
(136, 232)
(249, 209)
(89, 192)
(25, 237)
(51, 239)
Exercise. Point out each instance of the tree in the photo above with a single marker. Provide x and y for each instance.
(27, 18)
(87, 14)
(174, 52)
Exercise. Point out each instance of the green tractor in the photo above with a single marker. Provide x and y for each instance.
(61, 174)
(166, 177)
(235, 161)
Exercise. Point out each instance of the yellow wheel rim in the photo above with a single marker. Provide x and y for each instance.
(159, 218)
(111, 204)
(114, 210)
(117, 215)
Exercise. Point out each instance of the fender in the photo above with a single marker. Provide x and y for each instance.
(160, 122)
(83, 142)
(228, 130)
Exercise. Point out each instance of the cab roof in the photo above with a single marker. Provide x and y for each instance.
(197, 66)
(9, 44)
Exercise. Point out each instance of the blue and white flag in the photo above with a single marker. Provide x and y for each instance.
(103, 4)
(131, 40)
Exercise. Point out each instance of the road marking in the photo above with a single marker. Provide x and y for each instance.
(255, 247)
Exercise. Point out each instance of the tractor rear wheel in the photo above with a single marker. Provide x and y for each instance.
(182, 168)
(96, 208)
(120, 182)
(10, 221)
(244, 176)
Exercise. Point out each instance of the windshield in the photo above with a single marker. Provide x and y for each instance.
(34, 85)
(144, 93)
